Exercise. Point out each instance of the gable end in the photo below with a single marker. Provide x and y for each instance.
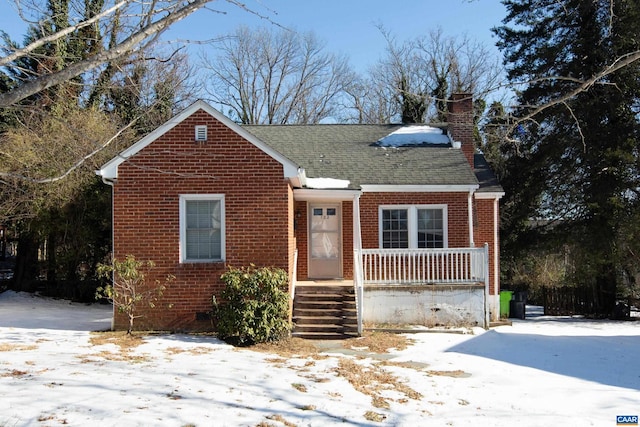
(109, 170)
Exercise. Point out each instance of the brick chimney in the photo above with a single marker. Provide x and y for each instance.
(460, 122)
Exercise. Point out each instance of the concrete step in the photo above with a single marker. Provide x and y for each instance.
(323, 335)
(325, 289)
(325, 312)
(324, 297)
(327, 328)
(325, 320)
(324, 305)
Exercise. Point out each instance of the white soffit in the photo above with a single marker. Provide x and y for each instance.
(489, 195)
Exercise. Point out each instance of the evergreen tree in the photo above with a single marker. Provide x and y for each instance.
(494, 145)
(576, 162)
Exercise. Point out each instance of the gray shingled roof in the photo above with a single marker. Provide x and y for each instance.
(487, 179)
(349, 152)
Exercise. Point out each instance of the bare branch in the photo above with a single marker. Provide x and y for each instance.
(584, 144)
(121, 49)
(618, 64)
(19, 53)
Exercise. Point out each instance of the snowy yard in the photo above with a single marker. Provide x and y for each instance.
(543, 371)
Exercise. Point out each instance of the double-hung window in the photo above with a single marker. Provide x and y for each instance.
(413, 226)
(202, 234)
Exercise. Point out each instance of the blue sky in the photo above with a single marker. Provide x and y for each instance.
(347, 26)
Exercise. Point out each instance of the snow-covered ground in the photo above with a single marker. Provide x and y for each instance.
(543, 371)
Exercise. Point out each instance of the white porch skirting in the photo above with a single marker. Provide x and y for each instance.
(427, 305)
(430, 287)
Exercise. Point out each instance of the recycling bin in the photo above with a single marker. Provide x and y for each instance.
(505, 300)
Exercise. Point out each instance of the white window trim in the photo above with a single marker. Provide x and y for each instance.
(183, 226)
(412, 219)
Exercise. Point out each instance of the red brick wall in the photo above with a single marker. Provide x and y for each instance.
(457, 211)
(258, 214)
(347, 239)
(460, 123)
(301, 238)
(484, 233)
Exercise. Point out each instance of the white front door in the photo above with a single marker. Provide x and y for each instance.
(325, 241)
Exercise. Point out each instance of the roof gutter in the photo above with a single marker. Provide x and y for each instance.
(490, 195)
(432, 188)
(109, 181)
(300, 179)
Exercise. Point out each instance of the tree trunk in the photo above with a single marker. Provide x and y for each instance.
(606, 288)
(51, 259)
(26, 270)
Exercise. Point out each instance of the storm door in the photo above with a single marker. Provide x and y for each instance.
(325, 241)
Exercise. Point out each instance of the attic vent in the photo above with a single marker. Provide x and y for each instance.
(201, 133)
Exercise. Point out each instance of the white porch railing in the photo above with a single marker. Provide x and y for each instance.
(423, 266)
(420, 266)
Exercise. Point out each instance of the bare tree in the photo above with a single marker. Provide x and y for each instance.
(137, 23)
(276, 76)
(416, 77)
(367, 101)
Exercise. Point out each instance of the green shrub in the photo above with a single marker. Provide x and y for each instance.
(255, 308)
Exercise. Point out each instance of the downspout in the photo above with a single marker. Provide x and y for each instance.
(487, 311)
(496, 248)
(294, 281)
(111, 183)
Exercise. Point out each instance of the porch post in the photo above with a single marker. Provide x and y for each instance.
(357, 237)
(357, 260)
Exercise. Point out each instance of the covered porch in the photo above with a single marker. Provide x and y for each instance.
(429, 287)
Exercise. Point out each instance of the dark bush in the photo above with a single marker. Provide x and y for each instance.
(255, 308)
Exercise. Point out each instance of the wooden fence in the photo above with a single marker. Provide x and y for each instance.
(568, 301)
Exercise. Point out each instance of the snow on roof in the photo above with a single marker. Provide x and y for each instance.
(415, 135)
(327, 183)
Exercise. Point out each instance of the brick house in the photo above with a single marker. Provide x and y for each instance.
(383, 210)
